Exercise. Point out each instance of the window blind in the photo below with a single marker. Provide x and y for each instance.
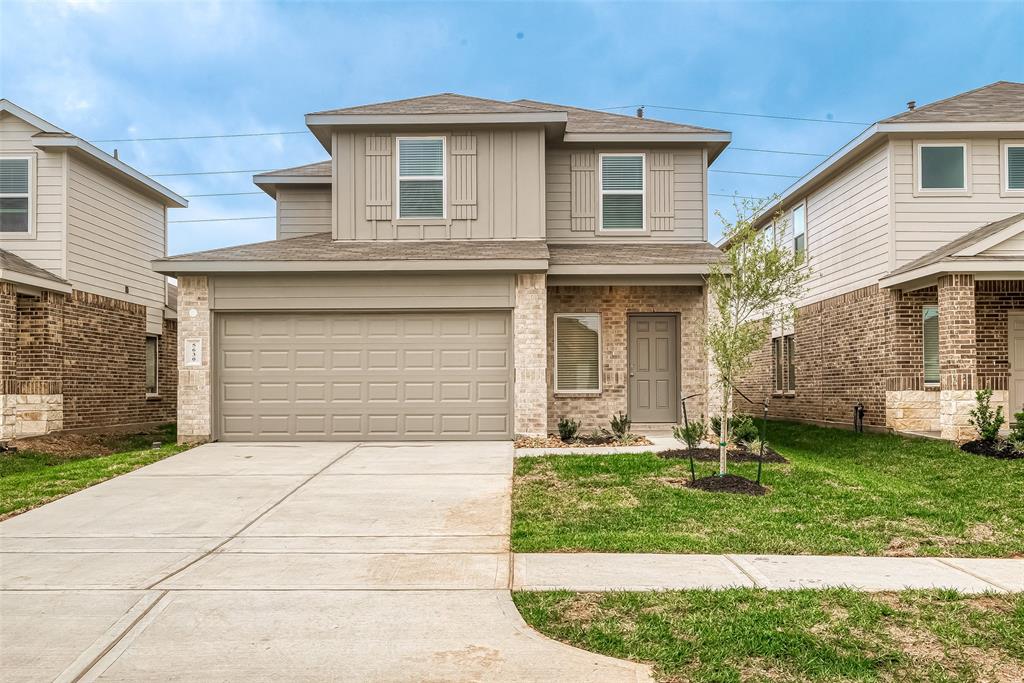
(799, 229)
(930, 316)
(151, 365)
(421, 178)
(622, 192)
(578, 352)
(13, 176)
(1015, 168)
(14, 199)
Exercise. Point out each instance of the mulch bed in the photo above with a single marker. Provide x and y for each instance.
(711, 455)
(82, 444)
(992, 449)
(729, 483)
(552, 441)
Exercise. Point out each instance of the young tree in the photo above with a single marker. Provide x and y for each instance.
(754, 286)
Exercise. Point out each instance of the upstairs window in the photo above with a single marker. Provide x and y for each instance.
(622, 192)
(14, 195)
(930, 334)
(1014, 169)
(421, 190)
(578, 352)
(942, 166)
(800, 230)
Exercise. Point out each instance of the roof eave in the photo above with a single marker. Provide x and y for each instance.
(925, 275)
(630, 269)
(170, 198)
(19, 278)
(269, 182)
(649, 137)
(171, 267)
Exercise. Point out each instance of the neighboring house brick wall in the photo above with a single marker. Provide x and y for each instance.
(615, 303)
(195, 423)
(529, 331)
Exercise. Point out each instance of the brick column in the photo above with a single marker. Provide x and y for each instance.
(195, 420)
(529, 329)
(8, 358)
(957, 354)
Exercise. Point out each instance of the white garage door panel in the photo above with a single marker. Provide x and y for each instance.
(364, 375)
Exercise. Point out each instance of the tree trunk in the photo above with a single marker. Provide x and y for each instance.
(723, 432)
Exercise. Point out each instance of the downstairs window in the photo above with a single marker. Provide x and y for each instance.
(578, 352)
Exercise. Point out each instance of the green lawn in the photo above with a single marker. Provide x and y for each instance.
(747, 634)
(30, 478)
(841, 493)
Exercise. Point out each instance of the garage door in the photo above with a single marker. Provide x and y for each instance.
(375, 376)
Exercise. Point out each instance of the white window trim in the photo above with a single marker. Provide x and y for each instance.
(792, 222)
(1004, 169)
(964, 191)
(601, 192)
(31, 199)
(156, 370)
(600, 354)
(399, 178)
(928, 384)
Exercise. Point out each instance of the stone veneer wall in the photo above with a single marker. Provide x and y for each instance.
(615, 303)
(529, 331)
(195, 423)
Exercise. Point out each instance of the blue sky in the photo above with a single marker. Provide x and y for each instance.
(148, 69)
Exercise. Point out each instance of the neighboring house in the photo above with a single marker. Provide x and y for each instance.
(460, 268)
(914, 234)
(86, 336)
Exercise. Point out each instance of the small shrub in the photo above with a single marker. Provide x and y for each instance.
(1017, 430)
(568, 428)
(756, 446)
(692, 433)
(741, 428)
(620, 425)
(983, 418)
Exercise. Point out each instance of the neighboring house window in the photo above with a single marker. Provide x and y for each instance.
(800, 229)
(777, 363)
(790, 342)
(1013, 155)
(622, 192)
(421, 190)
(578, 352)
(152, 366)
(942, 166)
(930, 330)
(15, 198)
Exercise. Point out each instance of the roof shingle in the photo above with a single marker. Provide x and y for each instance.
(633, 254)
(948, 251)
(15, 264)
(443, 103)
(593, 121)
(998, 102)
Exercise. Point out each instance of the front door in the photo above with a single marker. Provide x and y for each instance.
(1015, 323)
(653, 368)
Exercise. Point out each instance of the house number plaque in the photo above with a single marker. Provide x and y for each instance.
(193, 352)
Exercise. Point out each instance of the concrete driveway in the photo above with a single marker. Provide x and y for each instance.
(363, 562)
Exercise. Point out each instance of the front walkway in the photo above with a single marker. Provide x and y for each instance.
(368, 562)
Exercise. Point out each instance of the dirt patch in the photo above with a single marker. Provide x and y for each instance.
(711, 455)
(597, 440)
(582, 609)
(72, 445)
(992, 449)
(729, 483)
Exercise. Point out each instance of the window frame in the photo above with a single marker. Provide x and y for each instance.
(30, 195)
(938, 355)
(600, 353)
(789, 345)
(919, 191)
(778, 377)
(601, 192)
(399, 177)
(156, 365)
(802, 205)
(1004, 169)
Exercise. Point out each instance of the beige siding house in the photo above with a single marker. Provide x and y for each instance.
(913, 233)
(87, 338)
(459, 268)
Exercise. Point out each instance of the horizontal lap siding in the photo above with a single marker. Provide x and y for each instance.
(113, 234)
(924, 224)
(304, 211)
(46, 248)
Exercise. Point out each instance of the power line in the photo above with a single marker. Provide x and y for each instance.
(247, 170)
(219, 194)
(740, 113)
(770, 175)
(732, 196)
(773, 151)
(218, 220)
(208, 137)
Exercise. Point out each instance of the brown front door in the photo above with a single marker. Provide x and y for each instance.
(653, 368)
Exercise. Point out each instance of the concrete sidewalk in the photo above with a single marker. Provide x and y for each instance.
(649, 572)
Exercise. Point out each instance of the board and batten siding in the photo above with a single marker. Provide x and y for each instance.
(45, 247)
(363, 291)
(494, 186)
(847, 228)
(925, 223)
(303, 211)
(114, 232)
(675, 189)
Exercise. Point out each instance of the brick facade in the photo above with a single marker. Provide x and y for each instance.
(615, 303)
(78, 361)
(529, 331)
(195, 421)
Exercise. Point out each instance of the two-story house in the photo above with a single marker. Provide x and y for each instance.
(460, 268)
(914, 234)
(87, 335)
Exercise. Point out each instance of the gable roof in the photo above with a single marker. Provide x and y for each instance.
(442, 103)
(1000, 101)
(318, 173)
(965, 249)
(14, 268)
(594, 121)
